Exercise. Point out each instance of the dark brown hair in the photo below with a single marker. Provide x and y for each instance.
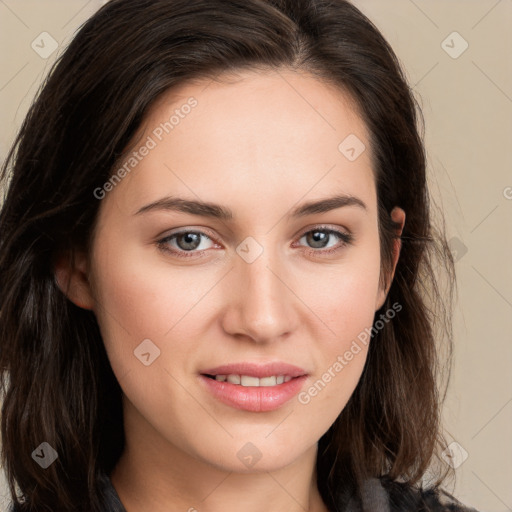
(58, 385)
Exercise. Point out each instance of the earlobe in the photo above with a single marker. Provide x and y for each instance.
(71, 277)
(398, 216)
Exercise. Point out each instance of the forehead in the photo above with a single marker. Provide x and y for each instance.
(256, 134)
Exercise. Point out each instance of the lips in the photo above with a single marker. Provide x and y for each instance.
(262, 398)
(253, 399)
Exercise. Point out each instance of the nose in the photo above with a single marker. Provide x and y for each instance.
(261, 304)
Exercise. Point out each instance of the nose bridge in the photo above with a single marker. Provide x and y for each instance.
(263, 308)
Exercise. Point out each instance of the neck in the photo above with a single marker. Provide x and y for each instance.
(159, 476)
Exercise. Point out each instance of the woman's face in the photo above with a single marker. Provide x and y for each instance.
(262, 285)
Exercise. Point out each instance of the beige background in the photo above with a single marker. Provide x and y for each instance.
(467, 104)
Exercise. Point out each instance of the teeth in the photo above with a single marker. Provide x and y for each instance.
(267, 381)
(248, 381)
(234, 379)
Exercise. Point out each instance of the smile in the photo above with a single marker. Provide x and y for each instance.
(251, 393)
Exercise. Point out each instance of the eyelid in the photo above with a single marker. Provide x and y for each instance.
(324, 227)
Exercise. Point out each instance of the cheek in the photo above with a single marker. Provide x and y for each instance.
(137, 301)
(343, 301)
(143, 297)
(343, 296)
(346, 308)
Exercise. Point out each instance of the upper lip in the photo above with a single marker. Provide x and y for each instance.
(256, 370)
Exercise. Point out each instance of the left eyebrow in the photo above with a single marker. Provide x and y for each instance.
(328, 204)
(206, 209)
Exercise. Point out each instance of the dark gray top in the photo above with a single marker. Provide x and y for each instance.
(377, 496)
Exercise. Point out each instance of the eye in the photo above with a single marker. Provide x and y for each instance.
(184, 242)
(319, 238)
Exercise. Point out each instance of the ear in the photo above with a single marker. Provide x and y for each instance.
(397, 215)
(71, 275)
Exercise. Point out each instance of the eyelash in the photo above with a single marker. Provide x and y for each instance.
(346, 239)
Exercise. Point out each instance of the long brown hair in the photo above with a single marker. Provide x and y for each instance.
(58, 386)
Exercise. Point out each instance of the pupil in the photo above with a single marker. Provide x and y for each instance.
(318, 239)
(190, 238)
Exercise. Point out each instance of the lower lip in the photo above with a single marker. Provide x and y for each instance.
(252, 398)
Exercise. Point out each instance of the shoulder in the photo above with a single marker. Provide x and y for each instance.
(107, 496)
(403, 497)
(386, 495)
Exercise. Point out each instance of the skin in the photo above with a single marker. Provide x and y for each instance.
(261, 158)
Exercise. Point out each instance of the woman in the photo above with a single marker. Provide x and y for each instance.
(217, 269)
